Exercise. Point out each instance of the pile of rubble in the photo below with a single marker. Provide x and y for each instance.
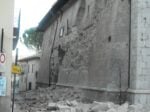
(68, 100)
(40, 98)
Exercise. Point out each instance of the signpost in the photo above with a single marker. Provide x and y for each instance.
(14, 83)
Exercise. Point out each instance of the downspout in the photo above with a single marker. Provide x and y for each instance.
(52, 53)
(120, 86)
(129, 62)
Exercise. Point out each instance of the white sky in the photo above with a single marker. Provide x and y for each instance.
(32, 12)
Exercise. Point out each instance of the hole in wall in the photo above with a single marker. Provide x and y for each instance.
(109, 39)
(61, 54)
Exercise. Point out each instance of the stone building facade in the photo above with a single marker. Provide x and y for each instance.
(89, 44)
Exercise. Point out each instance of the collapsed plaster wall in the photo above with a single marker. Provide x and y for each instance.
(91, 47)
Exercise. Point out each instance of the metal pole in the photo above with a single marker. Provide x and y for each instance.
(13, 100)
(2, 39)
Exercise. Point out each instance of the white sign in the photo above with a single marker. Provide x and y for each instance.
(2, 86)
(2, 62)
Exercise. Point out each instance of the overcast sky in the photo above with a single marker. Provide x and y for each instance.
(32, 11)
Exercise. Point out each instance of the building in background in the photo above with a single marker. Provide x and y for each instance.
(6, 22)
(30, 67)
(100, 46)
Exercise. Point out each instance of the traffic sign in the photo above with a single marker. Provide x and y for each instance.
(2, 58)
(2, 62)
(16, 69)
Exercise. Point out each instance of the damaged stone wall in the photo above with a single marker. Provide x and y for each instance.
(91, 47)
(108, 70)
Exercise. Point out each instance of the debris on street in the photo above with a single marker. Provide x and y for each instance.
(68, 100)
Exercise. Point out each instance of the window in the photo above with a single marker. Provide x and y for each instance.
(32, 68)
(28, 68)
(61, 33)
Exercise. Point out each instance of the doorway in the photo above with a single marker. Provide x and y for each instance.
(30, 86)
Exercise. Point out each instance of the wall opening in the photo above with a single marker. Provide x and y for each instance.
(30, 85)
(61, 54)
(109, 39)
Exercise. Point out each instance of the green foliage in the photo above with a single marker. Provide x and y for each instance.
(33, 39)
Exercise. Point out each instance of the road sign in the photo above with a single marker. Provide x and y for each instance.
(2, 58)
(2, 62)
(16, 69)
(2, 86)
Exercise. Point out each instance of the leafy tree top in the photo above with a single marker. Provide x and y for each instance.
(33, 39)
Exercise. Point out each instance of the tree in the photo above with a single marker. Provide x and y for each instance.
(33, 39)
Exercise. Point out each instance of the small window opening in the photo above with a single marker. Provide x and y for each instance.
(61, 32)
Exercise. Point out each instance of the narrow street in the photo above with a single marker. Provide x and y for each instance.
(67, 100)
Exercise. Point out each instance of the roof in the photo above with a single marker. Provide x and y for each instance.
(53, 14)
(29, 58)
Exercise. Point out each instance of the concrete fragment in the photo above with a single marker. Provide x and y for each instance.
(99, 107)
(123, 108)
(111, 110)
(72, 103)
(135, 108)
(112, 105)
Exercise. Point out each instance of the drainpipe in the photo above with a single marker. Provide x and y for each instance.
(129, 64)
(2, 40)
(120, 86)
(52, 53)
(129, 60)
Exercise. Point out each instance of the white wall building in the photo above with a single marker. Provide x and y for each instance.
(30, 66)
(6, 22)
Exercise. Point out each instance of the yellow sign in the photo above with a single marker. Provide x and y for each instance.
(16, 69)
